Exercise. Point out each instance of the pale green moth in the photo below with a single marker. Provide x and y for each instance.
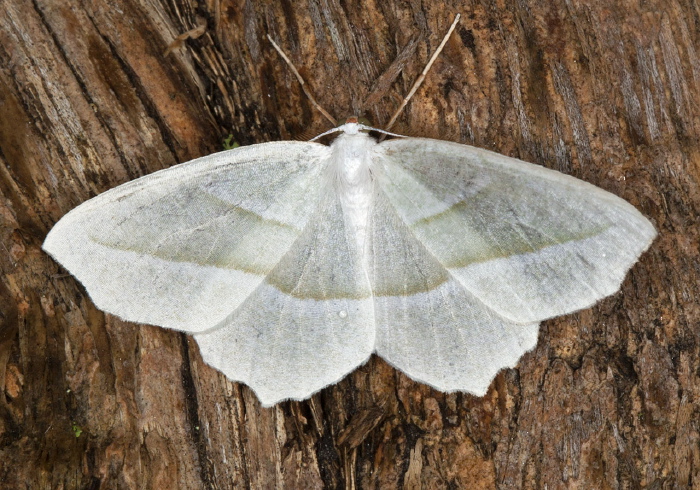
(292, 262)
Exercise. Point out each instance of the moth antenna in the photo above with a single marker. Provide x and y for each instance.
(422, 75)
(302, 83)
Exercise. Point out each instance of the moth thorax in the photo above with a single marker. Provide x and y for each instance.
(350, 163)
(353, 180)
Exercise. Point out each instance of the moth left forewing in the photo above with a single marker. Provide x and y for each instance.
(183, 247)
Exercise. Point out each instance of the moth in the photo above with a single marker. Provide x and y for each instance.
(292, 262)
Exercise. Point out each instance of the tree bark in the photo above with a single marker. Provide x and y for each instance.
(89, 99)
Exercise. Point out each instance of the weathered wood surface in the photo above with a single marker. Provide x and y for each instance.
(606, 91)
